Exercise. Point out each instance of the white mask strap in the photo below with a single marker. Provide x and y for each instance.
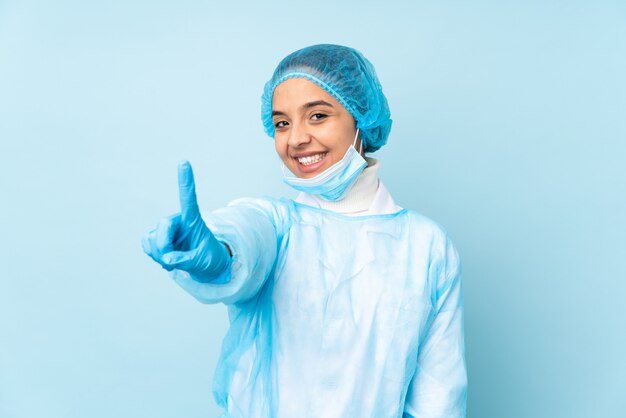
(354, 143)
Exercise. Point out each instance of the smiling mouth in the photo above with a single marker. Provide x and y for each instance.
(311, 159)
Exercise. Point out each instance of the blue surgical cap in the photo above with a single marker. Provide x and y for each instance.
(346, 75)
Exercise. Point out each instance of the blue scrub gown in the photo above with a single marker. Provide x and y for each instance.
(336, 316)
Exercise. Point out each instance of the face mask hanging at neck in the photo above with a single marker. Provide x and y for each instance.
(332, 183)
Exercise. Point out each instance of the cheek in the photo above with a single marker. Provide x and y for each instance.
(281, 146)
(337, 136)
(342, 139)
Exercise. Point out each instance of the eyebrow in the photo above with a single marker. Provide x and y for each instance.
(316, 103)
(305, 106)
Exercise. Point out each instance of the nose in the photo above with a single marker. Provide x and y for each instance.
(298, 136)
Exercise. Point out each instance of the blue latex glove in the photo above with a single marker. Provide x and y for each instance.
(183, 241)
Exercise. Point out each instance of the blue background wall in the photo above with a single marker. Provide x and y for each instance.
(509, 129)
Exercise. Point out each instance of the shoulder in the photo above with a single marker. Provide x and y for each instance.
(440, 243)
(266, 203)
(424, 224)
(278, 211)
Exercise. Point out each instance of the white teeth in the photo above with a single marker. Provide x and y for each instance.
(311, 159)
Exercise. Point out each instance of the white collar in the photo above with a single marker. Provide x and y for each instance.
(368, 196)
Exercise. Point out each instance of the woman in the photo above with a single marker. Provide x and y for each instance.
(341, 303)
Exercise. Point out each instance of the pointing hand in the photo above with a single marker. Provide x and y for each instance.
(183, 241)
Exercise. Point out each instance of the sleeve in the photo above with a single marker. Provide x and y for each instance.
(253, 230)
(439, 387)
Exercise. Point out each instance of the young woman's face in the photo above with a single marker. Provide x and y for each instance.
(312, 130)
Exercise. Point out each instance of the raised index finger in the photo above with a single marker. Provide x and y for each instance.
(187, 192)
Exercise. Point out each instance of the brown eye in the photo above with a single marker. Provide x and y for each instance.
(318, 116)
(280, 124)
